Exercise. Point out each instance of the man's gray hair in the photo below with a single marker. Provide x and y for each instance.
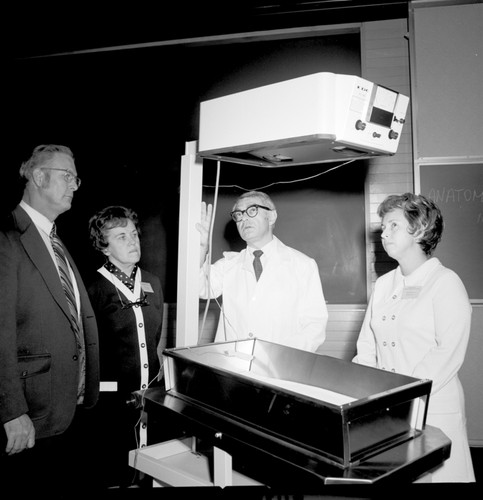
(260, 195)
(42, 155)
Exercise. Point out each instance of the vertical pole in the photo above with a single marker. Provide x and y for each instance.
(187, 309)
(187, 312)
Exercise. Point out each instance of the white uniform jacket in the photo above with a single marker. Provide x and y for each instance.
(419, 325)
(285, 306)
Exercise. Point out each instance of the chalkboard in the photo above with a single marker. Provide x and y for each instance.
(457, 189)
(323, 216)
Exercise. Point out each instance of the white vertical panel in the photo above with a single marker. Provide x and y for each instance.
(187, 312)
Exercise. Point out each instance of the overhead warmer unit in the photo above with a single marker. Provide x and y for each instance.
(322, 117)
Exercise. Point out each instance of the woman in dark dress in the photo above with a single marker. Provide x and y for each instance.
(128, 303)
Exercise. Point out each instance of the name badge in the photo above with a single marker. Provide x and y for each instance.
(146, 287)
(411, 292)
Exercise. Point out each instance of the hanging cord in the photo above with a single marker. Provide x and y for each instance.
(141, 411)
(261, 188)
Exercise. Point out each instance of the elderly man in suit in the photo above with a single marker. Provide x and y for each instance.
(49, 373)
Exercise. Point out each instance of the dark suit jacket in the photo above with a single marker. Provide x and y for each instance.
(38, 352)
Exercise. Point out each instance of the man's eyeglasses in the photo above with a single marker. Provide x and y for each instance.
(251, 211)
(68, 175)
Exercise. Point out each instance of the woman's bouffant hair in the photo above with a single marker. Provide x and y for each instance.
(424, 217)
(108, 218)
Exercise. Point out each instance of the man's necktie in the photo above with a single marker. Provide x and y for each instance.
(70, 296)
(257, 264)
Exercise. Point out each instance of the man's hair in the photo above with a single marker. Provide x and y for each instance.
(263, 197)
(42, 155)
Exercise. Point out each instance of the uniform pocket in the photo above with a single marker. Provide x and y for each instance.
(34, 371)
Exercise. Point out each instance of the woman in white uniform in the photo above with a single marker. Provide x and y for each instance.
(128, 303)
(418, 322)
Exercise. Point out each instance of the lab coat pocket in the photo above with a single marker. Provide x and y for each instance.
(34, 371)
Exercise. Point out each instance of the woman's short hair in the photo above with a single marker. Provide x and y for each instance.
(423, 215)
(108, 218)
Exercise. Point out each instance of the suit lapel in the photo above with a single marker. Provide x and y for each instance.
(39, 255)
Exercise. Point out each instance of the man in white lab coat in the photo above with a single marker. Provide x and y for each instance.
(285, 304)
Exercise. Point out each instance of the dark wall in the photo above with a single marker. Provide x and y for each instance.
(457, 189)
(127, 115)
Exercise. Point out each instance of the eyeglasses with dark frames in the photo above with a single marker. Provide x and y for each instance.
(68, 175)
(251, 211)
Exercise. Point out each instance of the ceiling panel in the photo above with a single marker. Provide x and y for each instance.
(43, 30)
